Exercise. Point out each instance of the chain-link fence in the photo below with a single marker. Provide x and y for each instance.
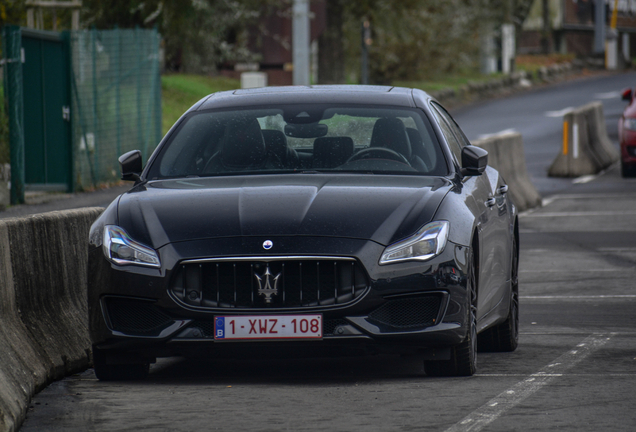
(115, 93)
(116, 100)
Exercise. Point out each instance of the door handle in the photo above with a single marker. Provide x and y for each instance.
(491, 202)
(502, 190)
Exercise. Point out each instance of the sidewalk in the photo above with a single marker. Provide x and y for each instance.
(41, 202)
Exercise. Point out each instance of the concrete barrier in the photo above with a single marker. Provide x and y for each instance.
(586, 148)
(43, 322)
(506, 155)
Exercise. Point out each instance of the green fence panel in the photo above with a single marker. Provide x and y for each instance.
(116, 88)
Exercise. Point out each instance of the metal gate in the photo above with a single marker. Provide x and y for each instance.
(47, 137)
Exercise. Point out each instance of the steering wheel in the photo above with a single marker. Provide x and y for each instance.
(379, 153)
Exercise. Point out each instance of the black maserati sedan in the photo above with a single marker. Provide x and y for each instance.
(306, 221)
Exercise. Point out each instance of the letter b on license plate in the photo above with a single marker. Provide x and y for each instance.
(268, 327)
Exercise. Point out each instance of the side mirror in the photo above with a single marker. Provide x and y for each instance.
(626, 95)
(474, 161)
(131, 167)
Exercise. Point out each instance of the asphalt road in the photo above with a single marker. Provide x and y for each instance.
(574, 370)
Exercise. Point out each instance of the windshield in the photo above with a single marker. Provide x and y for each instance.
(301, 138)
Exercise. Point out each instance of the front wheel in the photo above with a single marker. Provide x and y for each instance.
(504, 337)
(628, 170)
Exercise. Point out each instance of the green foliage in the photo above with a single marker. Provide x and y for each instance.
(417, 39)
(197, 35)
(180, 91)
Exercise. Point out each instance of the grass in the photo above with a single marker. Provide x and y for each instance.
(180, 91)
(531, 63)
(447, 81)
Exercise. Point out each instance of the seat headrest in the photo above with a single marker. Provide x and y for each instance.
(243, 143)
(276, 142)
(391, 133)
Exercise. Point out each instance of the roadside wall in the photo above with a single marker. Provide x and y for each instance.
(506, 155)
(43, 321)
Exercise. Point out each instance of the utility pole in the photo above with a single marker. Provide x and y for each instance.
(364, 61)
(300, 42)
(599, 27)
(545, 36)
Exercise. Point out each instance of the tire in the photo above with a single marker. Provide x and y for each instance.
(118, 372)
(627, 170)
(504, 337)
(463, 358)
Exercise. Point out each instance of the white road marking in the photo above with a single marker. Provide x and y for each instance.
(617, 249)
(559, 113)
(487, 375)
(607, 95)
(578, 270)
(583, 297)
(591, 196)
(579, 214)
(508, 399)
(584, 179)
(503, 132)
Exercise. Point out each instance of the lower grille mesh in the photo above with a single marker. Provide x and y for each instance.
(408, 312)
(136, 317)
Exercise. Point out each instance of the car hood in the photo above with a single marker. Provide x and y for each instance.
(371, 207)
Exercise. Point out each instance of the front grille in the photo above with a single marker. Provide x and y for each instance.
(408, 312)
(271, 283)
(135, 317)
(631, 150)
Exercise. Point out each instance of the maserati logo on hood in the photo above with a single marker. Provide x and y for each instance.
(267, 244)
(265, 287)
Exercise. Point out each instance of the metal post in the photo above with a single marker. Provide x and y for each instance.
(364, 61)
(300, 42)
(599, 27)
(12, 49)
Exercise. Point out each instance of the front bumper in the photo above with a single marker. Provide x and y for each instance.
(410, 307)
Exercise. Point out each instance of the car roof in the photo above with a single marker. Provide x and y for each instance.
(316, 94)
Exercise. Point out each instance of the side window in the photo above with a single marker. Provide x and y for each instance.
(454, 144)
(463, 141)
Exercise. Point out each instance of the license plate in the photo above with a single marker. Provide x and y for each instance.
(268, 327)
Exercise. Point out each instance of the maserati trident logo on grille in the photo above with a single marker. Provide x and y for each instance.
(265, 287)
(267, 244)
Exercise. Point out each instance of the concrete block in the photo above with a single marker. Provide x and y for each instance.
(43, 318)
(586, 148)
(506, 154)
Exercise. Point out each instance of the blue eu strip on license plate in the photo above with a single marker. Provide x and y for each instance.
(260, 327)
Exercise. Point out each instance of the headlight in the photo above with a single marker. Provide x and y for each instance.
(630, 124)
(121, 249)
(428, 242)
